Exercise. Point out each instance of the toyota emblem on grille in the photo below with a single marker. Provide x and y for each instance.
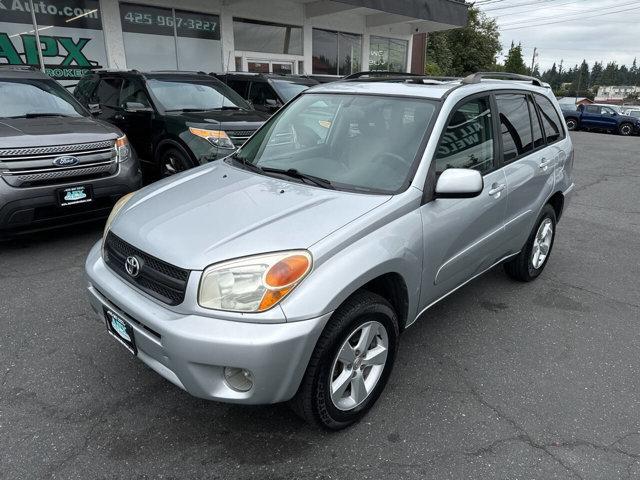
(132, 266)
(65, 161)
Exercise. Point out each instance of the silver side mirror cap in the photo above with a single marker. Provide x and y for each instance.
(459, 183)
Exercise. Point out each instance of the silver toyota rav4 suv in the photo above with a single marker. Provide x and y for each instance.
(287, 271)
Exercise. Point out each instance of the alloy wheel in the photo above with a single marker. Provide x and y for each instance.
(542, 243)
(358, 365)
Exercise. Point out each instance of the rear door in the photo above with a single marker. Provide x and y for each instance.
(107, 95)
(137, 125)
(591, 117)
(464, 236)
(527, 162)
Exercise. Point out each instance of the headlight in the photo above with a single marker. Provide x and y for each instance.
(114, 212)
(123, 149)
(219, 138)
(253, 284)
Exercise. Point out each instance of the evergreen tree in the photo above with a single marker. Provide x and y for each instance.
(514, 62)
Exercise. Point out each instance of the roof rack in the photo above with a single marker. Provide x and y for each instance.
(379, 73)
(477, 78)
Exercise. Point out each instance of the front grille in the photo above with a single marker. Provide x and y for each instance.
(238, 137)
(52, 176)
(30, 167)
(55, 149)
(157, 278)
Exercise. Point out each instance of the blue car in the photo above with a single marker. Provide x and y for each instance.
(600, 117)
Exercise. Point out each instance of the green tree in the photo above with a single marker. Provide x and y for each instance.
(464, 50)
(514, 62)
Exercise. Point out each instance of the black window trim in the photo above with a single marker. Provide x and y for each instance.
(502, 162)
(563, 132)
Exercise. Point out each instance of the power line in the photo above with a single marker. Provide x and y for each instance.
(568, 19)
(569, 15)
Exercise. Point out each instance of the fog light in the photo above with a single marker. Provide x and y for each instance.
(238, 379)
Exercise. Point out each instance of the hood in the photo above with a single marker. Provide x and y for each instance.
(226, 119)
(219, 212)
(43, 131)
(629, 118)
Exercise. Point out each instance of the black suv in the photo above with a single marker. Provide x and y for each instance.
(58, 165)
(267, 92)
(174, 120)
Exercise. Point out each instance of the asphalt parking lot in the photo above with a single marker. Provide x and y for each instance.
(501, 380)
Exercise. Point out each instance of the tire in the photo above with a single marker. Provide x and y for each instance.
(526, 267)
(313, 401)
(172, 161)
(572, 124)
(625, 129)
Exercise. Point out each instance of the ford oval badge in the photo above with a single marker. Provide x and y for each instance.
(65, 161)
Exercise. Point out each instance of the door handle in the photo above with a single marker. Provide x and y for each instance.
(545, 163)
(496, 189)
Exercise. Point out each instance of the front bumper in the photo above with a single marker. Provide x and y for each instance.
(36, 208)
(192, 350)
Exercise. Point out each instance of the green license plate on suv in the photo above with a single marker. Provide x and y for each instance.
(121, 330)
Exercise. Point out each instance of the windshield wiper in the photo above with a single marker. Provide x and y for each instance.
(187, 110)
(293, 173)
(246, 164)
(36, 115)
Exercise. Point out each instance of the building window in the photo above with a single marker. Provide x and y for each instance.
(388, 54)
(255, 36)
(181, 40)
(336, 53)
(71, 38)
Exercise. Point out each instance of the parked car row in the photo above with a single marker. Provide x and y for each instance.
(66, 159)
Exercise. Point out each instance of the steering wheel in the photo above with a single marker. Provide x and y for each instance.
(395, 157)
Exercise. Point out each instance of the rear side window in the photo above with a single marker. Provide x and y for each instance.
(550, 119)
(538, 138)
(467, 141)
(85, 87)
(108, 92)
(515, 125)
(240, 86)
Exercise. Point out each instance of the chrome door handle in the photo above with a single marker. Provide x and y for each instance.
(545, 163)
(497, 189)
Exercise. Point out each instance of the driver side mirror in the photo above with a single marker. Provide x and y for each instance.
(94, 108)
(459, 183)
(136, 107)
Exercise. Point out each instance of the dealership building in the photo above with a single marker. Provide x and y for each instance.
(318, 37)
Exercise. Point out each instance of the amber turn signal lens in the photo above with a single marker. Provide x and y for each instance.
(287, 272)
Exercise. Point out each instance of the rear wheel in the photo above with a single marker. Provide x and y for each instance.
(173, 161)
(532, 259)
(625, 129)
(572, 124)
(350, 364)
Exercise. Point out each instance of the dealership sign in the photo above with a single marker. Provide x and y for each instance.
(71, 38)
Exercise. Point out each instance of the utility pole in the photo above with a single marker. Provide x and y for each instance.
(533, 59)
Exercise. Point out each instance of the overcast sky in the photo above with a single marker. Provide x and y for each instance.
(606, 30)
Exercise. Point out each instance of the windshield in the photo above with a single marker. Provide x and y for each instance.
(200, 96)
(35, 97)
(288, 89)
(356, 142)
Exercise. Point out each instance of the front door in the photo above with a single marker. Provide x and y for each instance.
(463, 237)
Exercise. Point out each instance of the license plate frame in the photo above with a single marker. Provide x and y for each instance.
(75, 195)
(120, 329)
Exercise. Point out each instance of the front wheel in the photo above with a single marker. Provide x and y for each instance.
(572, 124)
(530, 262)
(350, 364)
(625, 129)
(173, 161)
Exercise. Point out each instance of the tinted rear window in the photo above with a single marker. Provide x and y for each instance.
(550, 119)
(515, 125)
